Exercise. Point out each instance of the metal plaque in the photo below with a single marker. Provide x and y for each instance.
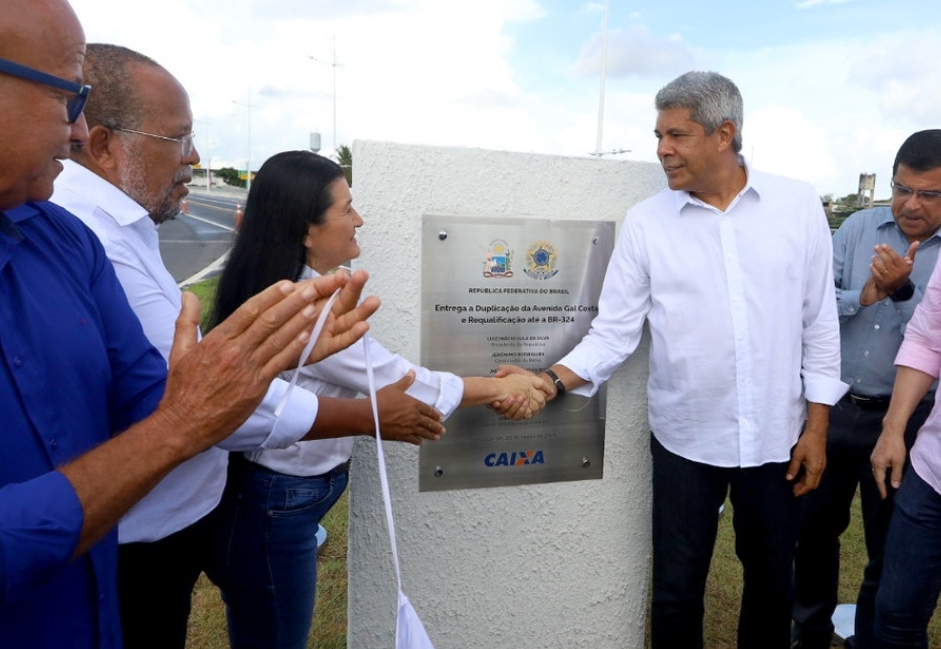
(521, 292)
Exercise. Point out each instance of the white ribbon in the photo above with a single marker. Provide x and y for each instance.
(409, 631)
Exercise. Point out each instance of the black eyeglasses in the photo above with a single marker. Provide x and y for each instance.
(79, 92)
(924, 195)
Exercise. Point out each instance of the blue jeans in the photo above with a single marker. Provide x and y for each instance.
(686, 500)
(911, 573)
(265, 557)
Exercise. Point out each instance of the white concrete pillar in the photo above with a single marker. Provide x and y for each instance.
(535, 567)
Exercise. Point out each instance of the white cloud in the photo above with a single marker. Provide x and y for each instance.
(635, 50)
(902, 69)
(784, 141)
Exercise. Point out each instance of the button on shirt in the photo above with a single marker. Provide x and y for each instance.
(344, 375)
(742, 316)
(75, 368)
(131, 242)
(870, 336)
(921, 350)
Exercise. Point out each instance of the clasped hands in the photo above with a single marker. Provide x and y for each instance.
(525, 393)
(889, 271)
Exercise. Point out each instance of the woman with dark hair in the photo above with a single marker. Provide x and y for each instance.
(299, 222)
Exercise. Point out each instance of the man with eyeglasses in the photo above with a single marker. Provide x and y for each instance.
(90, 417)
(879, 281)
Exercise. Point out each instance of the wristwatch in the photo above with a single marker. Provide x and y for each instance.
(559, 385)
(903, 293)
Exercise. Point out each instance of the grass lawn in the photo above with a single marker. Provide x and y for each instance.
(206, 292)
(723, 591)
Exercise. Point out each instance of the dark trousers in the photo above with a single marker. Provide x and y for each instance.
(686, 500)
(155, 582)
(825, 516)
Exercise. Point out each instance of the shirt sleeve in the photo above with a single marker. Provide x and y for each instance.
(820, 365)
(622, 308)
(40, 523)
(259, 430)
(921, 347)
(847, 299)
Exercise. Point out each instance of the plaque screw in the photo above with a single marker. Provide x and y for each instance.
(442, 235)
(438, 470)
(585, 463)
(594, 241)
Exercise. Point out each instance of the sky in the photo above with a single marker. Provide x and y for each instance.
(831, 87)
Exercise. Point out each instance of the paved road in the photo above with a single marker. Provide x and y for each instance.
(192, 245)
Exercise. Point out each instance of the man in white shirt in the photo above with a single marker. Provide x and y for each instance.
(127, 178)
(731, 269)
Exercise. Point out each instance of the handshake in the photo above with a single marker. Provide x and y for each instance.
(513, 393)
(522, 393)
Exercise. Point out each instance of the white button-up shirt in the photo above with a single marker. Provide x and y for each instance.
(742, 316)
(130, 239)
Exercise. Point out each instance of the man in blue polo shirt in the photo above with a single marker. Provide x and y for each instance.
(76, 369)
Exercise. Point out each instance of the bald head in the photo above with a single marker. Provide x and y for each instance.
(29, 28)
(35, 132)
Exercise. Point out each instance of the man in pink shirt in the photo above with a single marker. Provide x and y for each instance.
(911, 576)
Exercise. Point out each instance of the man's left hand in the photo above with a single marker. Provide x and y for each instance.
(810, 454)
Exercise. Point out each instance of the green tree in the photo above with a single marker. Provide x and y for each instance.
(230, 176)
(345, 160)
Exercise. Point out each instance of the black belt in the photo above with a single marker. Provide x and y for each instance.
(865, 402)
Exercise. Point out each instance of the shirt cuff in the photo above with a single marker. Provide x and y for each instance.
(847, 302)
(579, 364)
(264, 429)
(40, 524)
(450, 393)
(823, 389)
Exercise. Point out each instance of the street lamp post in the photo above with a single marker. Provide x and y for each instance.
(604, 67)
(248, 175)
(332, 64)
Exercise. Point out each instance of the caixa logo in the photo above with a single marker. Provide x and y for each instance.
(516, 458)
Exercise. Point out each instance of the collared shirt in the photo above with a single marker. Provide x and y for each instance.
(75, 368)
(344, 375)
(921, 350)
(742, 316)
(870, 336)
(130, 239)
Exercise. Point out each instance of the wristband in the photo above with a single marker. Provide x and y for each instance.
(559, 386)
(903, 293)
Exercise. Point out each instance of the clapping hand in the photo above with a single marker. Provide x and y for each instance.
(346, 322)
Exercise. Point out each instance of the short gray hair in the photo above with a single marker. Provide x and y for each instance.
(114, 100)
(711, 99)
